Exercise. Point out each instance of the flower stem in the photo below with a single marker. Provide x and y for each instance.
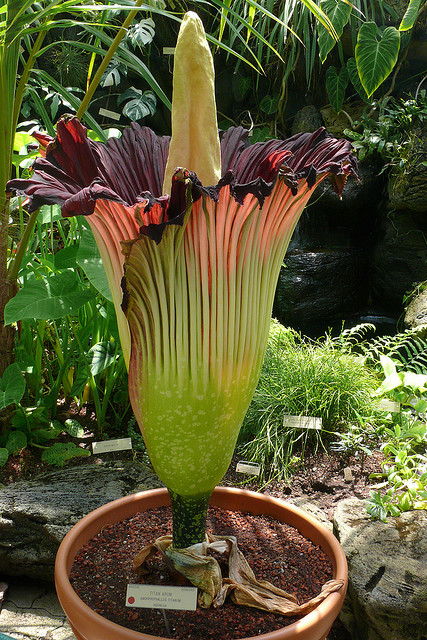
(188, 518)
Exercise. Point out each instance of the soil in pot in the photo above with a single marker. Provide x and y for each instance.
(276, 552)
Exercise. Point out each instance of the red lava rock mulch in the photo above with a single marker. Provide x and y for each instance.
(275, 551)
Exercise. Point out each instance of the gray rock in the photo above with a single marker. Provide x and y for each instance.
(36, 515)
(407, 187)
(307, 120)
(399, 259)
(316, 287)
(416, 313)
(387, 594)
(312, 509)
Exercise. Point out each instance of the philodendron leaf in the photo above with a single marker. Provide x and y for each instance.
(411, 15)
(4, 455)
(355, 79)
(49, 298)
(12, 386)
(338, 12)
(336, 84)
(376, 57)
(89, 259)
(269, 104)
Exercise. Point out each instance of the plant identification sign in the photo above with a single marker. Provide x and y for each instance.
(302, 422)
(150, 596)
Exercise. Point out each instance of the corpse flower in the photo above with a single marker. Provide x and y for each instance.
(192, 231)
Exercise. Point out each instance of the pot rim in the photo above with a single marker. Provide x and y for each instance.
(87, 527)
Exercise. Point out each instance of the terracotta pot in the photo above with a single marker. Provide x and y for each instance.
(88, 625)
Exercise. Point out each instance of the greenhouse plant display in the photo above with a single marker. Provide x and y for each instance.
(192, 231)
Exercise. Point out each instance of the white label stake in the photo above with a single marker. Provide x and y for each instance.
(148, 596)
(251, 468)
(389, 405)
(121, 444)
(109, 114)
(302, 422)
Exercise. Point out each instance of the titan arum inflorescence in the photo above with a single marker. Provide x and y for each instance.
(192, 231)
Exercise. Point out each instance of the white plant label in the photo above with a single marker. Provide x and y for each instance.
(389, 405)
(121, 444)
(168, 51)
(302, 422)
(251, 468)
(109, 114)
(148, 596)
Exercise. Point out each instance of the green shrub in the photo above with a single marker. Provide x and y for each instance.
(304, 378)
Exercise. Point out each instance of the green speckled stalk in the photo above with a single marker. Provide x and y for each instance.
(188, 518)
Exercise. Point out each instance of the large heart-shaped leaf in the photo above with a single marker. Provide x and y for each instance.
(376, 56)
(338, 13)
(50, 298)
(336, 84)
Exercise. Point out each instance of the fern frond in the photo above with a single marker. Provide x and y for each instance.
(408, 349)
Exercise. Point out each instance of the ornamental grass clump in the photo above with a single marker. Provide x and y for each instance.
(192, 231)
(303, 377)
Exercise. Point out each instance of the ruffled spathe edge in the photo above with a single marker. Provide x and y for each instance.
(77, 171)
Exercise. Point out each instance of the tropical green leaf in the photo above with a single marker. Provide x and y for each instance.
(49, 298)
(336, 84)
(140, 104)
(101, 355)
(16, 441)
(411, 15)
(269, 104)
(4, 455)
(353, 74)
(49, 213)
(60, 452)
(12, 386)
(80, 380)
(66, 257)
(376, 56)
(89, 259)
(338, 11)
(74, 428)
(141, 34)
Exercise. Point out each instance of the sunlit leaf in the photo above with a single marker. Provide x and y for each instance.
(411, 15)
(376, 55)
(49, 298)
(338, 12)
(101, 355)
